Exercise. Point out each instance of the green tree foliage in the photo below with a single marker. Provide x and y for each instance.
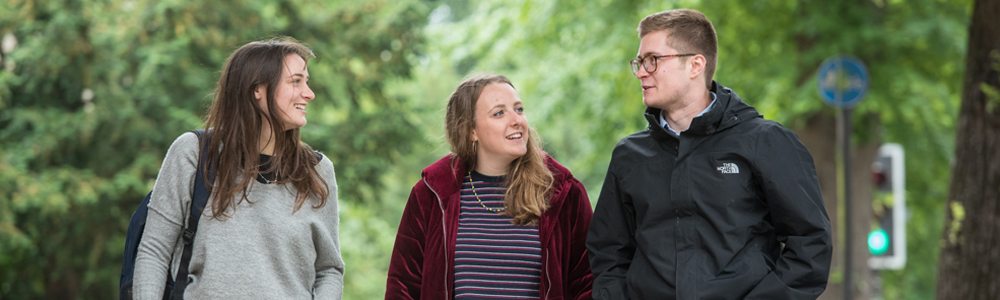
(94, 92)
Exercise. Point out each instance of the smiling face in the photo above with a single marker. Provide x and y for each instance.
(666, 87)
(501, 127)
(291, 95)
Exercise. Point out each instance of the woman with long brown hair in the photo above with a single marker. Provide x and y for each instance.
(498, 217)
(270, 228)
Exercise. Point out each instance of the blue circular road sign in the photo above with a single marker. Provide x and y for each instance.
(843, 81)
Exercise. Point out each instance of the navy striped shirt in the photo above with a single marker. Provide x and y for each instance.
(494, 259)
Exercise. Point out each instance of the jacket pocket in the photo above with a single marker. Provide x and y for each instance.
(743, 275)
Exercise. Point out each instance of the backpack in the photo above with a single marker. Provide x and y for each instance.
(137, 224)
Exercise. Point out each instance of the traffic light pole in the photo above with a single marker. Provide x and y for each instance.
(845, 138)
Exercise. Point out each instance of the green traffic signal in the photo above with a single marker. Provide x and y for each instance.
(878, 241)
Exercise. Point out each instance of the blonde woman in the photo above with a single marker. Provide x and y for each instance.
(498, 217)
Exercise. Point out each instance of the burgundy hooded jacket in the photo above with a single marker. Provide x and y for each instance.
(423, 258)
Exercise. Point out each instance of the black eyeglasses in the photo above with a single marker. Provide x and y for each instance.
(649, 62)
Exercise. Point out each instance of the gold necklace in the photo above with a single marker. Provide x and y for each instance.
(265, 178)
(499, 210)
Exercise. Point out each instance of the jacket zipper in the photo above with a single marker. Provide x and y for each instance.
(545, 273)
(444, 230)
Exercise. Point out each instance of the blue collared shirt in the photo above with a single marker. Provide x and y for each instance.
(663, 121)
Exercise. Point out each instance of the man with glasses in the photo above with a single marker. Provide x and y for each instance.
(711, 201)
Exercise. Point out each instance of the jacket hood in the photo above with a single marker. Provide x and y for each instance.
(445, 176)
(729, 110)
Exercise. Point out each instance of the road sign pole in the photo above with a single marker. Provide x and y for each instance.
(842, 82)
(845, 129)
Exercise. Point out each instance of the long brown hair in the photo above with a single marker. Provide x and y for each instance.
(529, 181)
(235, 119)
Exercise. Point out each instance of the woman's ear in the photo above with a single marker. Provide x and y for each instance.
(260, 91)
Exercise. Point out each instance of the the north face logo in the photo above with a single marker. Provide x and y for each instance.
(729, 168)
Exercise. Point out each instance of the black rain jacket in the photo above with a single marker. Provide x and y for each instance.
(730, 210)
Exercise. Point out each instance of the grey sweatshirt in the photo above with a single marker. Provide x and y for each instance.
(263, 251)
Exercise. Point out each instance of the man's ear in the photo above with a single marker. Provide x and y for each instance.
(697, 63)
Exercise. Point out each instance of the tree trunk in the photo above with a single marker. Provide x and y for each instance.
(820, 136)
(970, 257)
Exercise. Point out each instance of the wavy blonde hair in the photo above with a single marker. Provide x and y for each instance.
(529, 182)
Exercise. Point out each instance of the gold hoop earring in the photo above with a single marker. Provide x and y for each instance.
(474, 148)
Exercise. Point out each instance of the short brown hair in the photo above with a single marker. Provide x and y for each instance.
(690, 32)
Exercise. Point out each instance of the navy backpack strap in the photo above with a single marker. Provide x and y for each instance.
(319, 156)
(198, 201)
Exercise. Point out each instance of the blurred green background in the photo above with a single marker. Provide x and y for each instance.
(92, 93)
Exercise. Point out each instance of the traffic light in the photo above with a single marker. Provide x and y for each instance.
(887, 238)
